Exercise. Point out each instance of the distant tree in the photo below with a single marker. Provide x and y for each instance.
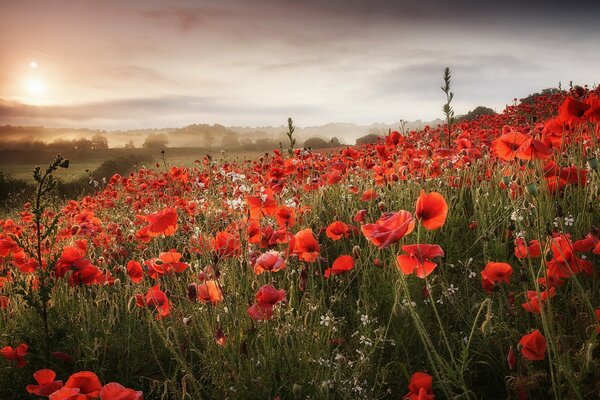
(545, 92)
(371, 138)
(316, 143)
(474, 113)
(230, 140)
(99, 142)
(335, 142)
(156, 141)
(130, 145)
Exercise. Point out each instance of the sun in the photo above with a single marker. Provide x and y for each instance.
(35, 87)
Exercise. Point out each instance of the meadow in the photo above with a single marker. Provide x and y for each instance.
(454, 262)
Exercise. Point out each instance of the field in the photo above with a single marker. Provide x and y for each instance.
(22, 167)
(456, 262)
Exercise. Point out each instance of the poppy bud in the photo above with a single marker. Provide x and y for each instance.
(74, 229)
(192, 291)
(532, 189)
(593, 163)
(117, 282)
(355, 251)
(187, 321)
(297, 390)
(506, 180)
(549, 256)
(377, 262)
(511, 358)
(381, 206)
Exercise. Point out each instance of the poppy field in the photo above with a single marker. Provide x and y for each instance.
(406, 269)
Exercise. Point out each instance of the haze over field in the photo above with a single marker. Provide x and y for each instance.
(116, 65)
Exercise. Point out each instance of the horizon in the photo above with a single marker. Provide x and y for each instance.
(125, 66)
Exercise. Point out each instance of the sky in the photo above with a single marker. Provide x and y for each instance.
(116, 64)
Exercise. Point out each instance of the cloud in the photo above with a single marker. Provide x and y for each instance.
(164, 109)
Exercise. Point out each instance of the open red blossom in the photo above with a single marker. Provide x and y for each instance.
(533, 346)
(17, 354)
(69, 394)
(522, 250)
(226, 244)
(266, 298)
(260, 206)
(209, 292)
(87, 382)
(269, 261)
(161, 223)
(157, 299)
(267, 294)
(417, 260)
(421, 387)
(306, 246)
(534, 302)
(116, 391)
(432, 210)
(572, 110)
(506, 146)
(341, 265)
(369, 195)
(285, 217)
(260, 312)
(134, 270)
(389, 229)
(46, 383)
(533, 149)
(495, 273)
(337, 230)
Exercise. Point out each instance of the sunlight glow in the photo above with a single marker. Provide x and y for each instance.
(35, 86)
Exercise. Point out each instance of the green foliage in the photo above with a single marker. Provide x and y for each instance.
(371, 138)
(447, 109)
(474, 113)
(290, 136)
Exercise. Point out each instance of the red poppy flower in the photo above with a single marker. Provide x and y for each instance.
(506, 146)
(286, 217)
(87, 382)
(266, 298)
(421, 387)
(269, 261)
(18, 354)
(267, 294)
(340, 265)
(337, 230)
(389, 229)
(134, 270)
(46, 383)
(494, 273)
(209, 292)
(158, 299)
(572, 110)
(432, 210)
(162, 222)
(260, 206)
(69, 394)
(535, 303)
(533, 149)
(115, 391)
(306, 246)
(417, 260)
(532, 250)
(369, 195)
(533, 346)
(225, 245)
